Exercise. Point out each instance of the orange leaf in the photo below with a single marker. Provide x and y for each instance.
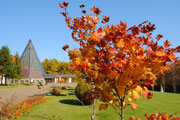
(60, 5)
(132, 118)
(95, 10)
(133, 106)
(120, 44)
(103, 106)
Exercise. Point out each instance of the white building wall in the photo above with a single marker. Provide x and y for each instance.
(2, 80)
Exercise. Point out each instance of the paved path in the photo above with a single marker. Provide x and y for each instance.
(25, 92)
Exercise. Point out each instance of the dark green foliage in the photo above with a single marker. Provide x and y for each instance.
(83, 92)
(5, 62)
(16, 68)
(10, 66)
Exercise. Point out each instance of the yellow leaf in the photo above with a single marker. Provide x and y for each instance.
(133, 48)
(129, 99)
(135, 95)
(78, 60)
(95, 74)
(138, 89)
(111, 102)
(160, 53)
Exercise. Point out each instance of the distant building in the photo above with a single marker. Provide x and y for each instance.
(33, 72)
(59, 78)
(31, 67)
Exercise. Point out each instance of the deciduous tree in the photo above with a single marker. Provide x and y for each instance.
(173, 76)
(54, 66)
(118, 61)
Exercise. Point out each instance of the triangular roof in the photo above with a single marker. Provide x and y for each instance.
(31, 66)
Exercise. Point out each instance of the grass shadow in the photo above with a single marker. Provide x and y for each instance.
(71, 102)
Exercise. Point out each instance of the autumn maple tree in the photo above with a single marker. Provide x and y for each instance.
(118, 61)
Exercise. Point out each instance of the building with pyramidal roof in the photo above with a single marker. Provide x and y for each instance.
(31, 67)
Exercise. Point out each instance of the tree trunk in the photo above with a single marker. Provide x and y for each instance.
(174, 87)
(152, 88)
(122, 110)
(163, 82)
(94, 110)
(173, 78)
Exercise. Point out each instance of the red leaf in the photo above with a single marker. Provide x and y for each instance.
(105, 19)
(167, 44)
(84, 11)
(65, 47)
(159, 37)
(81, 6)
(142, 23)
(176, 119)
(149, 95)
(65, 4)
(178, 49)
(63, 13)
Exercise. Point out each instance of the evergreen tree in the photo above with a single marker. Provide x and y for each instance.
(5, 62)
(16, 68)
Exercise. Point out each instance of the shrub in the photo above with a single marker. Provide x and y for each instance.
(56, 90)
(83, 92)
(64, 87)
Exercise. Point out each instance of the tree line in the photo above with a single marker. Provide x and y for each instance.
(53, 66)
(170, 81)
(10, 65)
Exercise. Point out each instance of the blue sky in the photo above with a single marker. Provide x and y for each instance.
(40, 21)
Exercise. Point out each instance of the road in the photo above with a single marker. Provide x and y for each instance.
(25, 92)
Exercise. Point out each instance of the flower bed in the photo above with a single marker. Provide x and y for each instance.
(14, 111)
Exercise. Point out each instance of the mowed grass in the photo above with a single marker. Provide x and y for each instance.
(69, 108)
(13, 86)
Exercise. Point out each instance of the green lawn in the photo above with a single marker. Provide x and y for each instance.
(68, 108)
(13, 86)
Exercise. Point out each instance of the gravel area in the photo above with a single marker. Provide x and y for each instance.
(25, 92)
